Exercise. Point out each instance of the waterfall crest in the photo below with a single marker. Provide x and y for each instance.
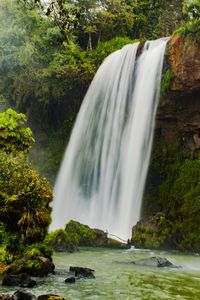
(102, 176)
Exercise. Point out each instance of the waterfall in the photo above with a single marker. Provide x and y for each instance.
(102, 176)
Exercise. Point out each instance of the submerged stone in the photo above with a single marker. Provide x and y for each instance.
(70, 279)
(82, 272)
(155, 261)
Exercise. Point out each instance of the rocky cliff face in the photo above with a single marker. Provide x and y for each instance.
(178, 117)
(173, 185)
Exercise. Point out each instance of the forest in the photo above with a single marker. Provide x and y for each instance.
(49, 54)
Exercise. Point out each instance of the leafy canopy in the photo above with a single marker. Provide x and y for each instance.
(14, 136)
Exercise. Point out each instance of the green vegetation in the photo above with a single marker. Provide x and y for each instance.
(60, 241)
(190, 29)
(24, 195)
(49, 55)
(166, 81)
(77, 235)
(13, 136)
(173, 188)
(155, 234)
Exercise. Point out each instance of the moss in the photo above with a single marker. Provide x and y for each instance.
(80, 235)
(191, 29)
(166, 81)
(154, 232)
(38, 250)
(116, 244)
(175, 192)
(60, 241)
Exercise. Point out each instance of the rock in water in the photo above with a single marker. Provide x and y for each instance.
(155, 261)
(22, 280)
(22, 295)
(50, 297)
(82, 272)
(70, 279)
(33, 265)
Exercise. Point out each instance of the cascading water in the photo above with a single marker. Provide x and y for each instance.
(102, 177)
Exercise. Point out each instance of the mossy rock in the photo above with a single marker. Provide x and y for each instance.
(50, 297)
(153, 232)
(60, 241)
(37, 266)
(81, 235)
(111, 243)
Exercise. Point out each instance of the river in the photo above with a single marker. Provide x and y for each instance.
(117, 278)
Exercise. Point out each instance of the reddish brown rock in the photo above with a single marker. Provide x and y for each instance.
(178, 115)
(185, 64)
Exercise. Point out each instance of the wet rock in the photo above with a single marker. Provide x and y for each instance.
(82, 272)
(37, 266)
(70, 279)
(101, 238)
(50, 297)
(22, 280)
(6, 297)
(155, 261)
(22, 295)
(183, 51)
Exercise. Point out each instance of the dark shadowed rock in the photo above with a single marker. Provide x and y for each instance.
(101, 238)
(22, 295)
(155, 261)
(50, 297)
(70, 279)
(82, 272)
(22, 280)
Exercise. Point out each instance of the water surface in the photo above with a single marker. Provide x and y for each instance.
(117, 278)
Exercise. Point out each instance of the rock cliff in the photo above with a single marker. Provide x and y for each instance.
(178, 117)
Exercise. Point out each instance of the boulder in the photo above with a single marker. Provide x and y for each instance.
(22, 280)
(155, 261)
(50, 297)
(152, 232)
(59, 240)
(82, 272)
(70, 279)
(22, 295)
(83, 235)
(101, 238)
(37, 266)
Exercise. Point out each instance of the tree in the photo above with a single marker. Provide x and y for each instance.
(24, 195)
(13, 136)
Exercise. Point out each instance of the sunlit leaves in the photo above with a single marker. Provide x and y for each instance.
(13, 136)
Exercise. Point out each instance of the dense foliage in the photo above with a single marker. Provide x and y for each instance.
(13, 136)
(50, 53)
(173, 188)
(24, 195)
